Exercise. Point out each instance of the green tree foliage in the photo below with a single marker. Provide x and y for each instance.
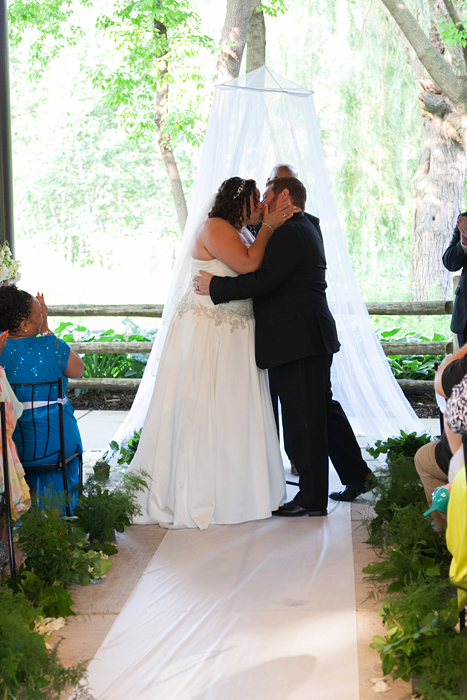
(155, 41)
(273, 8)
(80, 183)
(98, 193)
(52, 25)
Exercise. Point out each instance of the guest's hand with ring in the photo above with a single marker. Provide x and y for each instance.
(201, 282)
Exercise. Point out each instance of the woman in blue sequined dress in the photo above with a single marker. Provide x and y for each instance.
(34, 354)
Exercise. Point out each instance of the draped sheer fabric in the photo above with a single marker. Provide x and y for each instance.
(257, 121)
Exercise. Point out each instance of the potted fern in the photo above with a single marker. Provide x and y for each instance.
(103, 510)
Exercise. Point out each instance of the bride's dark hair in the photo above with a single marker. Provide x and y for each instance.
(230, 198)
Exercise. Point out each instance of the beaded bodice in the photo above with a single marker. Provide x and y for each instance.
(235, 313)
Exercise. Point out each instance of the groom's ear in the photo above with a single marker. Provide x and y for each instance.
(284, 195)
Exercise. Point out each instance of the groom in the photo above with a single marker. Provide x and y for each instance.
(296, 339)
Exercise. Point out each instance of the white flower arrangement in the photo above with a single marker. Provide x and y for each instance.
(9, 269)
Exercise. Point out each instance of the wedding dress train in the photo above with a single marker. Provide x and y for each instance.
(209, 440)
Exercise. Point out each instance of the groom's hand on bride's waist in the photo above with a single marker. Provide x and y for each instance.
(201, 282)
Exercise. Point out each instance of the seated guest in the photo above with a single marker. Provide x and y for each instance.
(432, 464)
(432, 460)
(34, 354)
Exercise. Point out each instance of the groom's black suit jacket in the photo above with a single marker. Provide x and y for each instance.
(455, 258)
(293, 319)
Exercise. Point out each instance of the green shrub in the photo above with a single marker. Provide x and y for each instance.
(51, 600)
(414, 620)
(412, 552)
(412, 366)
(443, 675)
(101, 510)
(397, 486)
(127, 449)
(108, 365)
(420, 611)
(55, 548)
(29, 671)
(405, 444)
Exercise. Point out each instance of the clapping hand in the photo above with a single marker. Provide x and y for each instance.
(45, 324)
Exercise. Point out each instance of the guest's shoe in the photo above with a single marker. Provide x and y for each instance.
(291, 510)
(355, 489)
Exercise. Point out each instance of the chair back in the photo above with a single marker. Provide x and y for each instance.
(35, 439)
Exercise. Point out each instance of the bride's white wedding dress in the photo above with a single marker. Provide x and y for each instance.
(209, 440)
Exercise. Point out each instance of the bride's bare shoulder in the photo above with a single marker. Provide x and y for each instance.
(213, 235)
(216, 225)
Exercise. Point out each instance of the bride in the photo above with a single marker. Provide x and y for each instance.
(209, 440)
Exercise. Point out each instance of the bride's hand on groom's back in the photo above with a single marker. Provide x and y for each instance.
(279, 216)
(201, 282)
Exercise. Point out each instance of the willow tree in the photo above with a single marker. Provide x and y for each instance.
(439, 59)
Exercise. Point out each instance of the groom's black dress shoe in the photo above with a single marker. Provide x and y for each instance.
(355, 489)
(293, 510)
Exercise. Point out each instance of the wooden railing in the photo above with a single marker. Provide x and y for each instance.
(410, 308)
(426, 308)
(143, 310)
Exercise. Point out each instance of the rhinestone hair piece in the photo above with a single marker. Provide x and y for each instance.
(240, 189)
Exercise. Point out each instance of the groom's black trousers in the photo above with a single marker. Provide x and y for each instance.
(318, 429)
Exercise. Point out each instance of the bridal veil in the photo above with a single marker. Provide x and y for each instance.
(257, 121)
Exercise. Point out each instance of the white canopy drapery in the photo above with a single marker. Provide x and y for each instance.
(257, 121)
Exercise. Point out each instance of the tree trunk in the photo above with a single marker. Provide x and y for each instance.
(437, 193)
(163, 139)
(233, 39)
(438, 182)
(169, 159)
(255, 38)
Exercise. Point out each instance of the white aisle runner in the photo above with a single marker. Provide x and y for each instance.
(261, 610)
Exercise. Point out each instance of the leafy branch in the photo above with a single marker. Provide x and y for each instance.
(274, 7)
(158, 45)
(50, 19)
